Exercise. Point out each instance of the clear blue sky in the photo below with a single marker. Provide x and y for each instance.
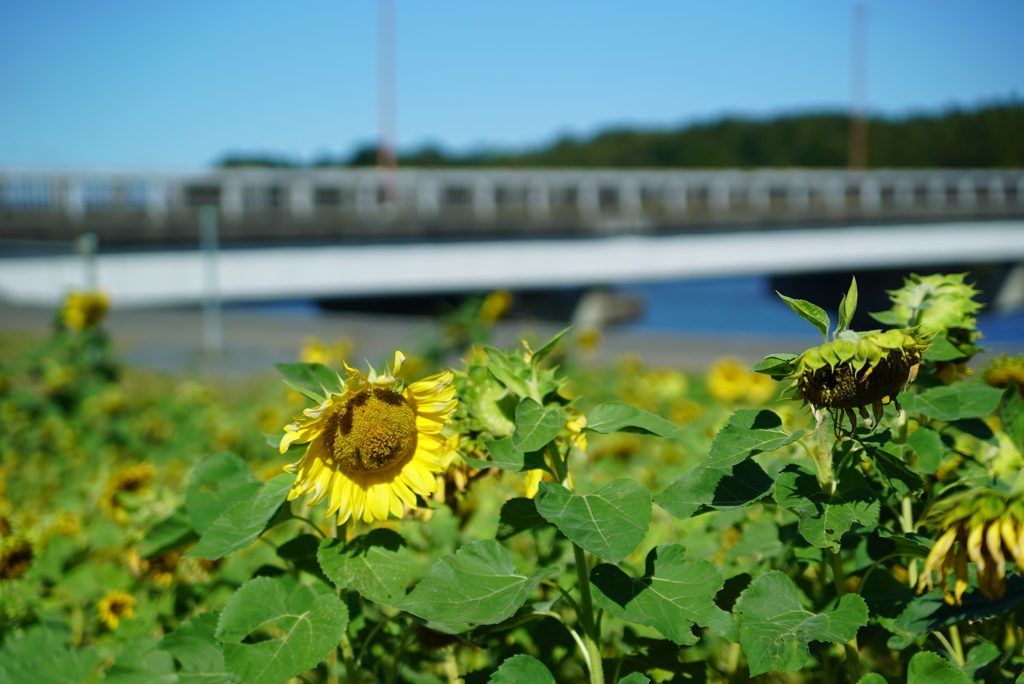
(181, 82)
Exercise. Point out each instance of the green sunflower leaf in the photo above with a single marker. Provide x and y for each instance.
(499, 366)
(44, 654)
(536, 426)
(310, 379)
(618, 416)
(173, 531)
(142, 661)
(749, 432)
(928, 446)
(775, 628)
(543, 352)
(635, 678)
(920, 615)
(825, 518)
(672, 596)
(941, 349)
(609, 524)
(953, 402)
(927, 667)
(777, 366)
(518, 515)
(200, 655)
(1011, 412)
(939, 403)
(703, 489)
(243, 523)
(809, 312)
(218, 482)
(848, 307)
(377, 565)
(504, 456)
(301, 553)
(522, 668)
(304, 624)
(478, 584)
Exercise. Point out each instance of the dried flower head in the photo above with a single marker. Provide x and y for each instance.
(984, 526)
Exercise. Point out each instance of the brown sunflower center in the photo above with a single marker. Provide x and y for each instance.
(842, 388)
(373, 432)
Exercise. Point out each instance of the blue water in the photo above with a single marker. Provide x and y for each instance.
(746, 306)
(749, 306)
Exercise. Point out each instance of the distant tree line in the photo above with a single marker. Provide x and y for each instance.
(985, 137)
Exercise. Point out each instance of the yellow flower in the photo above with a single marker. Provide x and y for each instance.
(84, 309)
(727, 380)
(760, 388)
(114, 607)
(495, 306)
(372, 448)
(316, 350)
(1004, 370)
(985, 527)
(128, 480)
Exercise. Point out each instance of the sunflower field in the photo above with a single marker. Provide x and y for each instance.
(460, 513)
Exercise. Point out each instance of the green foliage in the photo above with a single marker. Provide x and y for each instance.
(305, 623)
(478, 584)
(985, 137)
(776, 628)
(672, 596)
(609, 523)
(643, 529)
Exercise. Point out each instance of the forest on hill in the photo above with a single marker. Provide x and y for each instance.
(990, 136)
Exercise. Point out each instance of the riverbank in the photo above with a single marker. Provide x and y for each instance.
(253, 339)
(172, 340)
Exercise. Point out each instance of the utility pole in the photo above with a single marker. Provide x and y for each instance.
(386, 83)
(857, 143)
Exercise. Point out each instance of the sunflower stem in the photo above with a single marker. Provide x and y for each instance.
(851, 648)
(826, 478)
(958, 647)
(586, 615)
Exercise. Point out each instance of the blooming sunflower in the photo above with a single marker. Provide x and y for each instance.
(727, 379)
(129, 480)
(373, 447)
(84, 309)
(986, 527)
(115, 606)
(1004, 370)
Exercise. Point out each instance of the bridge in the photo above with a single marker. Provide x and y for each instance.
(329, 233)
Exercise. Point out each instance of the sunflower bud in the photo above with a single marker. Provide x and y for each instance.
(939, 306)
(985, 527)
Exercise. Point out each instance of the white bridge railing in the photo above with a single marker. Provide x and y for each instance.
(126, 205)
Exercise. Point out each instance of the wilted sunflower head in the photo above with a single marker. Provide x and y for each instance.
(16, 555)
(115, 606)
(84, 309)
(857, 370)
(983, 525)
(373, 446)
